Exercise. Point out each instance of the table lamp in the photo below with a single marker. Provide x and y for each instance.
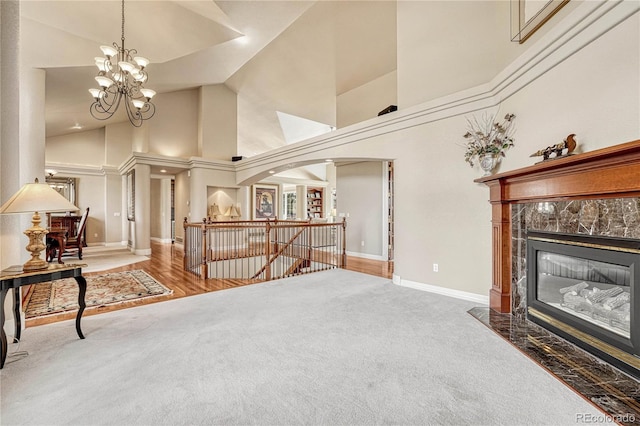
(36, 197)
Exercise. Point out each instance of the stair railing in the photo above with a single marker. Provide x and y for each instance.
(262, 250)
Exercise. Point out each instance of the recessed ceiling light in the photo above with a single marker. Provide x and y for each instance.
(76, 126)
(271, 171)
(163, 171)
(328, 160)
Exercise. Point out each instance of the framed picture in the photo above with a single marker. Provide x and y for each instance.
(527, 16)
(265, 202)
(131, 195)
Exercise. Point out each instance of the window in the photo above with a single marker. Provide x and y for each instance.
(289, 205)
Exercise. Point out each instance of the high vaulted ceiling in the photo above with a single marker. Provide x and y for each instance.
(195, 43)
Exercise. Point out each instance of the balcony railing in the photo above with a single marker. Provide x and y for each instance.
(262, 250)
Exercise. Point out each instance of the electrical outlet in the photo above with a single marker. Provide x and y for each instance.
(95, 235)
(435, 267)
(362, 243)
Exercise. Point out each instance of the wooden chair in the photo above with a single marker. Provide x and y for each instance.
(74, 244)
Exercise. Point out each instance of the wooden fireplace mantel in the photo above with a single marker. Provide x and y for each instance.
(610, 172)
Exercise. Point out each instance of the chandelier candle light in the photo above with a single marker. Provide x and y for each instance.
(121, 76)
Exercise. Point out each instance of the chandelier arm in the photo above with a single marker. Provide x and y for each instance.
(126, 83)
(98, 110)
(134, 115)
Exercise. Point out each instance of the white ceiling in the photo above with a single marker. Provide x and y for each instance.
(190, 43)
(202, 42)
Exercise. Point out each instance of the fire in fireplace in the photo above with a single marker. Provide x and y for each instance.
(586, 289)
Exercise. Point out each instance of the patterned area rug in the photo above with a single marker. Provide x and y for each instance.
(62, 295)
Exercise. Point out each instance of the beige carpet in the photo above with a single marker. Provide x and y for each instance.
(329, 348)
(100, 258)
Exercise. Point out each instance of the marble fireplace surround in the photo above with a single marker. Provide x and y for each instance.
(596, 192)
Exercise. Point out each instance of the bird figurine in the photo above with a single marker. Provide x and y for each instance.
(561, 149)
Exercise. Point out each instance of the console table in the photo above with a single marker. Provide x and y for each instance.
(14, 278)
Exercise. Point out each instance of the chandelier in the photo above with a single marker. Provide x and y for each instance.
(121, 77)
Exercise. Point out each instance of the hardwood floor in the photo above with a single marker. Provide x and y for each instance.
(165, 265)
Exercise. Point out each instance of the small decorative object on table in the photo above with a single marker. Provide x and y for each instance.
(488, 140)
(558, 150)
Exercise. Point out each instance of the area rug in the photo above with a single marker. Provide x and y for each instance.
(106, 289)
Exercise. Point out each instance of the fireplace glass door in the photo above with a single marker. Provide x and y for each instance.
(594, 291)
(585, 289)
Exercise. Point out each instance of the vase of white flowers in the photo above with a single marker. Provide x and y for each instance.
(488, 140)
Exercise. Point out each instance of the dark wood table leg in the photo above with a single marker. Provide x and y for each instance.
(82, 286)
(62, 241)
(3, 336)
(16, 315)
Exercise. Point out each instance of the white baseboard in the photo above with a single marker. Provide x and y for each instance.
(458, 294)
(161, 240)
(116, 244)
(142, 252)
(366, 256)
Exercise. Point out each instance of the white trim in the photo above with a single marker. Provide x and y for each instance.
(161, 240)
(81, 170)
(142, 252)
(458, 294)
(384, 244)
(365, 255)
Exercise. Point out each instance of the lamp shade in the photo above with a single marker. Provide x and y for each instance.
(148, 93)
(216, 210)
(36, 197)
(108, 51)
(137, 103)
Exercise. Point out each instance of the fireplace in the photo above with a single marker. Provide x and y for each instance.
(585, 289)
(592, 201)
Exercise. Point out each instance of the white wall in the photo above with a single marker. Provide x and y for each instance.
(118, 140)
(217, 123)
(173, 131)
(86, 148)
(360, 193)
(580, 79)
(366, 101)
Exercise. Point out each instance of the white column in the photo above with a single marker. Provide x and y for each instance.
(301, 202)
(198, 195)
(22, 136)
(142, 203)
(165, 191)
(10, 181)
(244, 199)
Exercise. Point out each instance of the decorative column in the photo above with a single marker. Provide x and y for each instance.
(500, 293)
(142, 203)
